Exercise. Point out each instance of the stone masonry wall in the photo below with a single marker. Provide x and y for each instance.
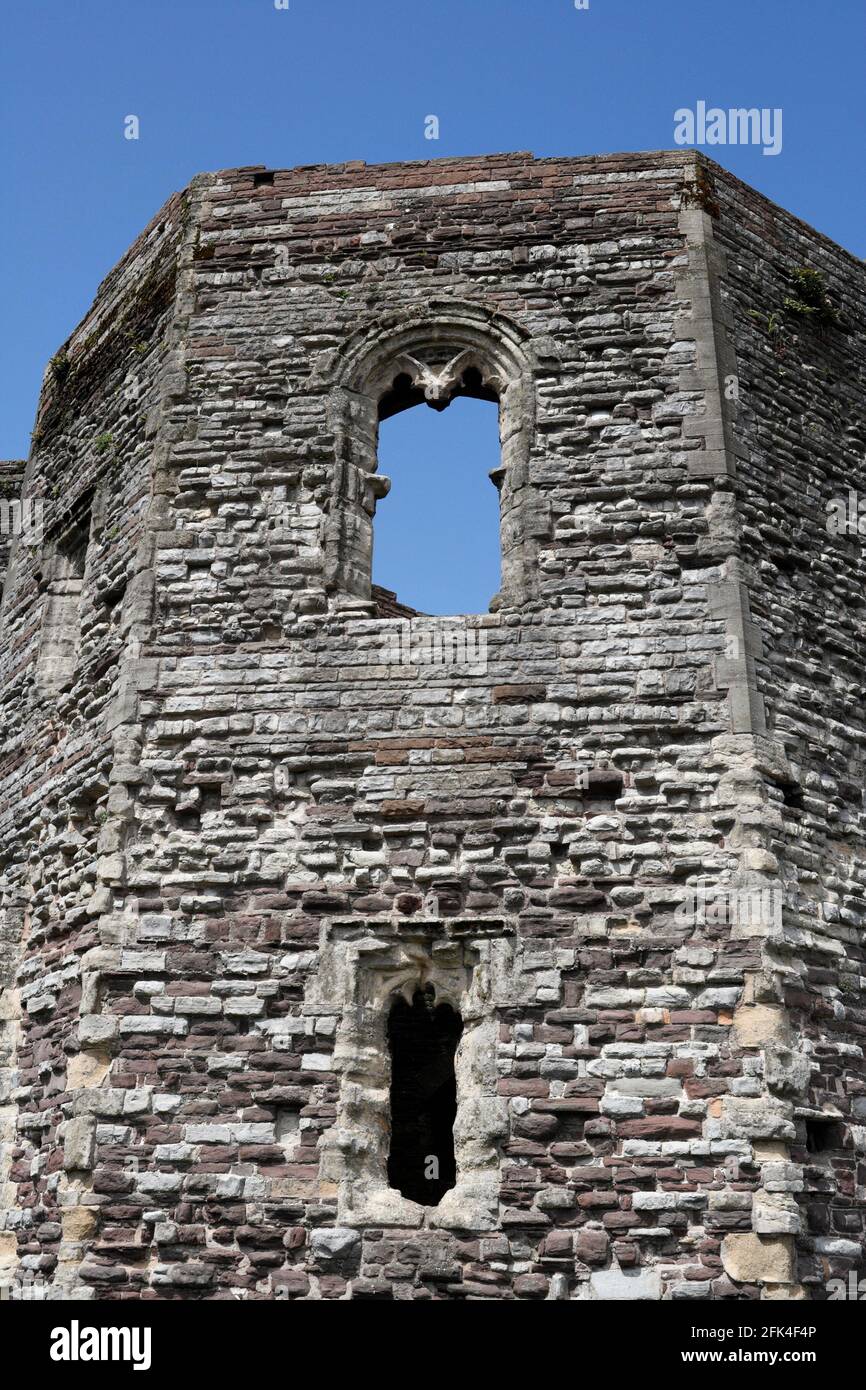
(89, 469)
(11, 480)
(244, 823)
(801, 372)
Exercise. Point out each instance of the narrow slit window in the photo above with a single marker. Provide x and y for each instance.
(423, 1038)
(61, 624)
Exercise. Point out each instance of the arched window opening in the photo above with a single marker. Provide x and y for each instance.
(423, 1038)
(456, 354)
(436, 543)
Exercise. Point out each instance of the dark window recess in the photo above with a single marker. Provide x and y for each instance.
(66, 563)
(111, 591)
(263, 180)
(423, 1038)
(824, 1136)
(602, 783)
(72, 547)
(792, 794)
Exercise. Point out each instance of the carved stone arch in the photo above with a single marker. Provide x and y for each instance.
(448, 349)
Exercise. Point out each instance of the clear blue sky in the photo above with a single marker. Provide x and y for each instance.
(217, 83)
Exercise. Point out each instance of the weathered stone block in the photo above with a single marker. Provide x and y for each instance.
(755, 1259)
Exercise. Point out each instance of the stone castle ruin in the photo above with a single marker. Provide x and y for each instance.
(350, 954)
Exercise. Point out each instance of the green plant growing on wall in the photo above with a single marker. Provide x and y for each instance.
(810, 300)
(103, 442)
(774, 328)
(810, 304)
(136, 344)
(60, 366)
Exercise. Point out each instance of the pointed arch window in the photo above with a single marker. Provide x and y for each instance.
(450, 352)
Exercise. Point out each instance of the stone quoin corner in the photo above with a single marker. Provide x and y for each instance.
(333, 972)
